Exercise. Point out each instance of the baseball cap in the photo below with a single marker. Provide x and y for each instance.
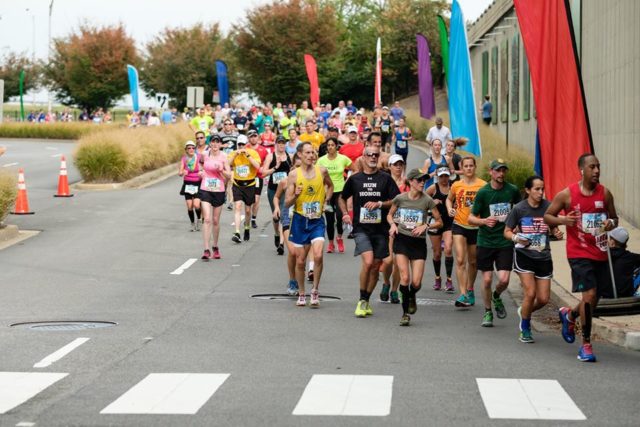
(385, 108)
(352, 129)
(188, 143)
(443, 171)
(252, 132)
(620, 235)
(498, 163)
(242, 140)
(415, 174)
(332, 129)
(281, 139)
(395, 158)
(215, 137)
(366, 129)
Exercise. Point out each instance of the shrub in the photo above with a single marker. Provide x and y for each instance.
(48, 130)
(8, 193)
(116, 155)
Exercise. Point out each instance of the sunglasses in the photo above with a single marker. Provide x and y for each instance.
(241, 145)
(191, 148)
(372, 154)
(200, 137)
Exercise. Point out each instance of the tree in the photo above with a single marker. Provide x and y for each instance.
(89, 68)
(11, 65)
(182, 57)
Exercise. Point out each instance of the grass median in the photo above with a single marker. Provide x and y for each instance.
(72, 130)
(8, 193)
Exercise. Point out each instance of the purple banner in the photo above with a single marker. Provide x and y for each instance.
(425, 81)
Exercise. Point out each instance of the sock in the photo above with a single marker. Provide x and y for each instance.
(247, 227)
(198, 213)
(525, 324)
(404, 290)
(574, 315)
(191, 216)
(253, 217)
(487, 309)
(367, 295)
(363, 295)
(586, 323)
(496, 295)
(413, 291)
(311, 264)
(448, 265)
(437, 266)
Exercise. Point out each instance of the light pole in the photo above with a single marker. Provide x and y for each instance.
(49, 56)
(33, 43)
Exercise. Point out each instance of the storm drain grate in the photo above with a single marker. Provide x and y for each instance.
(272, 297)
(70, 325)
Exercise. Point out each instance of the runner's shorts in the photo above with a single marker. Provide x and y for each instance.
(541, 269)
(411, 247)
(304, 231)
(215, 198)
(447, 223)
(378, 243)
(188, 196)
(502, 258)
(246, 194)
(259, 186)
(471, 234)
(589, 274)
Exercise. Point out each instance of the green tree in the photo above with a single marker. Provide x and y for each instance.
(89, 68)
(181, 57)
(11, 65)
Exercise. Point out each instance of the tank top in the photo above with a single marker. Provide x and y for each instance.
(402, 145)
(584, 240)
(191, 167)
(433, 166)
(310, 203)
(280, 173)
(442, 207)
(213, 179)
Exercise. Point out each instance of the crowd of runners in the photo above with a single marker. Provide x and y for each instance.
(336, 173)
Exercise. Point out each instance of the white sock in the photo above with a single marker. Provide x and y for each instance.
(310, 265)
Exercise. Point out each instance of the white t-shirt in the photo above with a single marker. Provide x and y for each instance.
(153, 121)
(443, 134)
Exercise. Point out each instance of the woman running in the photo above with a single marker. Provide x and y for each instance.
(525, 226)
(436, 161)
(465, 236)
(409, 246)
(276, 166)
(336, 164)
(268, 138)
(401, 138)
(453, 158)
(215, 172)
(189, 169)
(439, 191)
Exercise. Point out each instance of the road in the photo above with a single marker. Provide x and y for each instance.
(195, 349)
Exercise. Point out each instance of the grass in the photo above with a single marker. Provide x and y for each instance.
(72, 130)
(8, 193)
(116, 154)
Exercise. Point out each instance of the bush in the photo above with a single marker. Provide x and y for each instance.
(8, 193)
(48, 130)
(117, 155)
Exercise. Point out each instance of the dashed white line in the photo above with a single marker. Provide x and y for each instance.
(184, 266)
(51, 148)
(57, 155)
(7, 165)
(57, 355)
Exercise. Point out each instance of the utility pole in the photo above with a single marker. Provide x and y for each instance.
(49, 56)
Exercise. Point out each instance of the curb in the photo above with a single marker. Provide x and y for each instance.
(8, 232)
(140, 181)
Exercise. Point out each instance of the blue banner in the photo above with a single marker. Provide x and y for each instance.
(462, 105)
(223, 82)
(537, 165)
(133, 86)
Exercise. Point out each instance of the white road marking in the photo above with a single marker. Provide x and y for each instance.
(184, 266)
(6, 165)
(57, 355)
(25, 424)
(512, 398)
(167, 394)
(57, 155)
(18, 387)
(359, 395)
(51, 148)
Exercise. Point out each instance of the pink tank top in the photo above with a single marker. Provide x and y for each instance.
(585, 239)
(191, 167)
(213, 179)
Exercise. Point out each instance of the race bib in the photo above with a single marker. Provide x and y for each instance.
(384, 128)
(240, 126)
(401, 143)
(537, 241)
(592, 222)
(213, 184)
(242, 171)
(411, 218)
(257, 182)
(500, 211)
(277, 177)
(191, 189)
(373, 216)
(311, 209)
(203, 125)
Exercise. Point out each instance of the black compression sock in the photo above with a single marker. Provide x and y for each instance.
(496, 294)
(437, 265)
(367, 295)
(586, 323)
(198, 213)
(191, 216)
(448, 265)
(413, 290)
(404, 290)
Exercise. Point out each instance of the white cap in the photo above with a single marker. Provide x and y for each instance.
(620, 235)
(352, 129)
(242, 139)
(443, 171)
(395, 158)
(188, 143)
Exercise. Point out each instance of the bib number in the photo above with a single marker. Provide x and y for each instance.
(311, 209)
(537, 242)
(240, 127)
(213, 184)
(373, 216)
(592, 222)
(401, 143)
(277, 177)
(411, 218)
(203, 125)
(191, 189)
(384, 128)
(500, 211)
(242, 171)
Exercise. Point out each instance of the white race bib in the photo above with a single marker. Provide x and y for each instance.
(242, 171)
(311, 209)
(213, 184)
(411, 218)
(191, 189)
(500, 211)
(240, 126)
(384, 128)
(277, 177)
(537, 241)
(401, 143)
(203, 125)
(373, 216)
(592, 222)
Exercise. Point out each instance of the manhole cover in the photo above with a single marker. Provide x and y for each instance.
(72, 325)
(433, 301)
(290, 297)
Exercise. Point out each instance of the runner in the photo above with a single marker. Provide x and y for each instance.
(439, 191)
(214, 174)
(189, 169)
(465, 236)
(409, 229)
(490, 209)
(245, 163)
(434, 162)
(229, 139)
(254, 144)
(453, 158)
(316, 139)
(385, 123)
(276, 166)
(306, 191)
(268, 138)
(354, 148)
(201, 122)
(335, 163)
(532, 259)
(372, 192)
(201, 143)
(401, 138)
(590, 213)
(374, 139)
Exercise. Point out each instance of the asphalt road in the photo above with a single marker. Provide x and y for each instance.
(108, 256)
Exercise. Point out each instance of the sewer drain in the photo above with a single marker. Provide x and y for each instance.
(433, 301)
(290, 297)
(72, 325)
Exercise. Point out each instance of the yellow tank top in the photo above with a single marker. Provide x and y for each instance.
(310, 203)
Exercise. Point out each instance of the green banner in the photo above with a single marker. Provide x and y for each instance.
(444, 42)
(21, 93)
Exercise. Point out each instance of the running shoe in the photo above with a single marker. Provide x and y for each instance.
(395, 299)
(499, 306)
(448, 288)
(413, 306)
(197, 225)
(368, 310)
(471, 297)
(487, 319)
(351, 236)
(568, 326)
(405, 320)
(310, 276)
(462, 301)
(340, 243)
(276, 240)
(247, 234)
(315, 299)
(586, 353)
(216, 253)
(254, 224)
(236, 237)
(361, 309)
(438, 284)
(384, 293)
(330, 247)
(292, 288)
(520, 321)
(526, 337)
(206, 256)
(280, 249)
(193, 226)
(301, 301)
(229, 206)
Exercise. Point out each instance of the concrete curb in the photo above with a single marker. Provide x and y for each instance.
(140, 181)
(8, 232)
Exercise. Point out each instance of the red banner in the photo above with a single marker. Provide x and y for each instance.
(377, 90)
(312, 75)
(563, 121)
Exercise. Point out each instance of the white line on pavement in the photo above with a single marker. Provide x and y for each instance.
(25, 424)
(184, 266)
(18, 387)
(51, 148)
(57, 155)
(9, 165)
(57, 355)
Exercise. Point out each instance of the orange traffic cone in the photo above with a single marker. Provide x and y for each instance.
(22, 202)
(63, 181)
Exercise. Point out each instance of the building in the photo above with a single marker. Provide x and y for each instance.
(608, 43)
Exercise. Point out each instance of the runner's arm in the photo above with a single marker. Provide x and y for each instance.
(449, 203)
(560, 202)
(266, 170)
(226, 169)
(181, 168)
(612, 221)
(328, 184)
(291, 195)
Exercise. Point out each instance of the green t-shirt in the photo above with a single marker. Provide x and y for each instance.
(286, 124)
(498, 203)
(412, 213)
(336, 169)
(202, 123)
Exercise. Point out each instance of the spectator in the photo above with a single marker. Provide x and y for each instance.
(397, 112)
(486, 109)
(624, 263)
(166, 117)
(153, 119)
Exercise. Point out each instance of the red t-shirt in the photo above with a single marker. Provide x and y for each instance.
(584, 240)
(352, 151)
(262, 152)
